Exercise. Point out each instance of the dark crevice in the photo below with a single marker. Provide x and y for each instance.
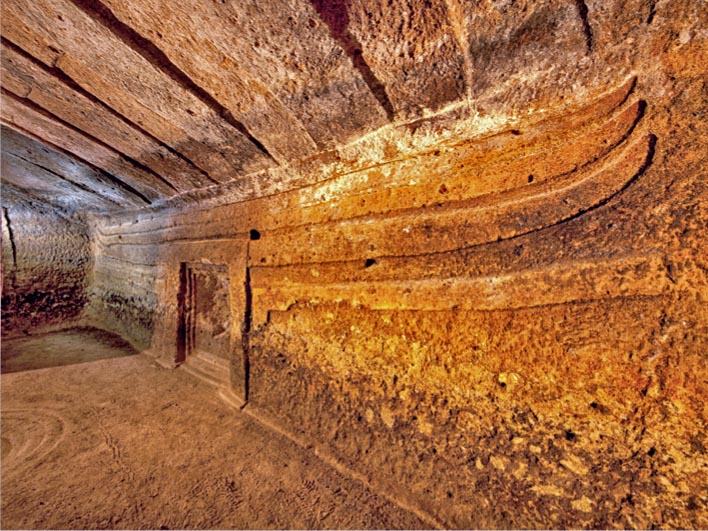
(143, 168)
(80, 186)
(630, 91)
(336, 15)
(115, 181)
(247, 323)
(652, 12)
(182, 318)
(44, 112)
(13, 248)
(171, 150)
(587, 29)
(159, 59)
(64, 78)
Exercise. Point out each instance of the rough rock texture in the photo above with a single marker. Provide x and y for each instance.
(522, 345)
(493, 306)
(122, 294)
(148, 448)
(46, 263)
(171, 99)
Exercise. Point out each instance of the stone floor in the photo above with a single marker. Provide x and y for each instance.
(97, 436)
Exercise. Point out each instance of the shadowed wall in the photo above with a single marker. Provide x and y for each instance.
(46, 263)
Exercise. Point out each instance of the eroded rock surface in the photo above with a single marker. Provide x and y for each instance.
(46, 262)
(459, 249)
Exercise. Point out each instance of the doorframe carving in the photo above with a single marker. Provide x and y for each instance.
(168, 333)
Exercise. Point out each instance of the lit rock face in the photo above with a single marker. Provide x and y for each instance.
(458, 248)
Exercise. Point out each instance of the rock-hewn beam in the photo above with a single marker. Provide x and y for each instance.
(39, 84)
(20, 113)
(49, 186)
(68, 168)
(272, 64)
(60, 34)
(410, 47)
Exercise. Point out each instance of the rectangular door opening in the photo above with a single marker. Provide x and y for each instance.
(204, 342)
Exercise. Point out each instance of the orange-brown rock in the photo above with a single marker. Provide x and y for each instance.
(455, 249)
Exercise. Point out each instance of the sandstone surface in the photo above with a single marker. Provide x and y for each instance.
(457, 250)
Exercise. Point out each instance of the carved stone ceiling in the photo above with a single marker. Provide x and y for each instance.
(116, 105)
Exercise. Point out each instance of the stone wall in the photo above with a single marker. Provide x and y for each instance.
(459, 246)
(506, 329)
(122, 294)
(46, 263)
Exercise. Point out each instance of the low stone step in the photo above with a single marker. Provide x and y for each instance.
(209, 368)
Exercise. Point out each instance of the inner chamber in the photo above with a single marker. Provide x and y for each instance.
(454, 250)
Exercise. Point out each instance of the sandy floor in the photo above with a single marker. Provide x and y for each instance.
(114, 441)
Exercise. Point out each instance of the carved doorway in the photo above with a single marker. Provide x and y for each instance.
(205, 315)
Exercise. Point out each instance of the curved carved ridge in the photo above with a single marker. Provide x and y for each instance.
(444, 228)
(497, 216)
(535, 140)
(479, 176)
(485, 219)
(468, 177)
(554, 128)
(629, 276)
(536, 134)
(490, 309)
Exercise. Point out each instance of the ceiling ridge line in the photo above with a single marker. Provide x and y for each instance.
(116, 180)
(78, 185)
(156, 57)
(62, 77)
(48, 114)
